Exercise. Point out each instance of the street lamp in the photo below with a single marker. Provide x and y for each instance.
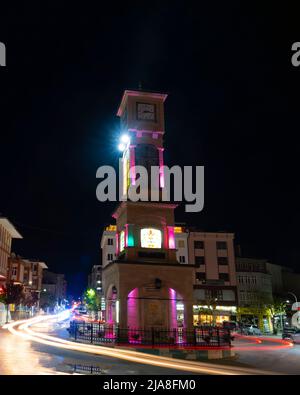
(291, 293)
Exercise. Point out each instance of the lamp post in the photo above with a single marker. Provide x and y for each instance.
(291, 293)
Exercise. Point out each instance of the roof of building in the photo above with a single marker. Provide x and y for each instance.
(10, 228)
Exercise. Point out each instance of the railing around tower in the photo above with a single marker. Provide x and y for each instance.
(202, 336)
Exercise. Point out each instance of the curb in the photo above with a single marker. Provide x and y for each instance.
(191, 355)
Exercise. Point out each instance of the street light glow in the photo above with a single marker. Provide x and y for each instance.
(121, 147)
(125, 139)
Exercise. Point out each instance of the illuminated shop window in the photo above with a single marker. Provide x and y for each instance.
(150, 238)
(122, 240)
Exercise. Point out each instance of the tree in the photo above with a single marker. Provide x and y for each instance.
(277, 307)
(31, 299)
(12, 294)
(92, 300)
(47, 301)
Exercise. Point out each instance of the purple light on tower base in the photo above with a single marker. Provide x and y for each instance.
(161, 167)
(132, 308)
(173, 311)
(171, 237)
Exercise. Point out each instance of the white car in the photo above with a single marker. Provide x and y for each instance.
(292, 334)
(251, 330)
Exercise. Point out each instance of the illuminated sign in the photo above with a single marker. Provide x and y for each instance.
(111, 228)
(122, 240)
(150, 238)
(178, 229)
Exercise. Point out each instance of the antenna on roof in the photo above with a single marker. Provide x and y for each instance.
(140, 85)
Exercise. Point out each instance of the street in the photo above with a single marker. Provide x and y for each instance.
(33, 347)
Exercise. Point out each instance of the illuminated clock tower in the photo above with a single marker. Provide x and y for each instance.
(145, 286)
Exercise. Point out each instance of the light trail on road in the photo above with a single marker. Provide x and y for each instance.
(22, 329)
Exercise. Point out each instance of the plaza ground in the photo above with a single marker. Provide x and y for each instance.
(24, 356)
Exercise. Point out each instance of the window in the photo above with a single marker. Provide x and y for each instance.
(180, 243)
(200, 276)
(213, 295)
(224, 276)
(110, 242)
(109, 257)
(14, 271)
(221, 245)
(182, 259)
(198, 244)
(199, 260)
(222, 260)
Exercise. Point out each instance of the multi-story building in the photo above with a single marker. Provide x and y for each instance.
(215, 293)
(95, 279)
(181, 243)
(15, 269)
(27, 273)
(254, 284)
(108, 244)
(53, 288)
(7, 233)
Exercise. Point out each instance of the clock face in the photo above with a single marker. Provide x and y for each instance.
(146, 112)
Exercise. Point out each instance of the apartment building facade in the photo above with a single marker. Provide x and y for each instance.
(255, 295)
(7, 233)
(215, 292)
(53, 286)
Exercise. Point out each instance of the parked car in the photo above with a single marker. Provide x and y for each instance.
(249, 329)
(292, 334)
(232, 325)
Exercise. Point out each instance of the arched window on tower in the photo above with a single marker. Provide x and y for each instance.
(147, 155)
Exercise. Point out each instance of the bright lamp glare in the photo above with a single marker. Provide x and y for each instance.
(125, 138)
(121, 147)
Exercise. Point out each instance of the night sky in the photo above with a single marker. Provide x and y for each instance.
(233, 107)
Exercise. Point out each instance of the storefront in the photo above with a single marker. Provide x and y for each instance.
(260, 317)
(213, 315)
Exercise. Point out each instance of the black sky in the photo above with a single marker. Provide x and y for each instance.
(233, 107)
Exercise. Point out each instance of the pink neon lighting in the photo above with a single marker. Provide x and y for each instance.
(132, 309)
(132, 164)
(171, 237)
(161, 167)
(173, 311)
(117, 243)
(126, 236)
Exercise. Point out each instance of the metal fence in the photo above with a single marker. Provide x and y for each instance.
(96, 333)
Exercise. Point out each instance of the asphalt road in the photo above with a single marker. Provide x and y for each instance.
(21, 356)
(23, 351)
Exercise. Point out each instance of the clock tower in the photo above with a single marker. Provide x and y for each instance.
(145, 283)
